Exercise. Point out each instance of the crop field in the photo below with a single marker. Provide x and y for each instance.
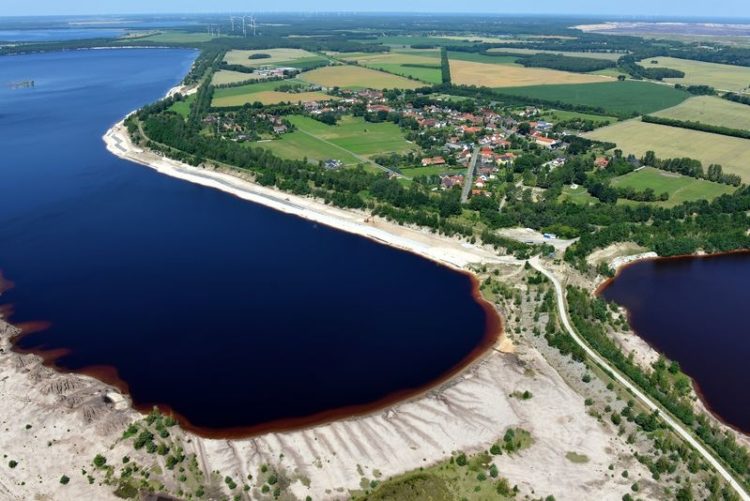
(619, 98)
(352, 140)
(680, 188)
(634, 136)
(720, 76)
(610, 56)
(264, 92)
(223, 77)
(179, 37)
(279, 57)
(497, 75)
(357, 77)
(421, 65)
(710, 110)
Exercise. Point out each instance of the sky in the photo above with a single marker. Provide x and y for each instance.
(663, 8)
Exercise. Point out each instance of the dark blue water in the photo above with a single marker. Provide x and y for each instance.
(231, 314)
(48, 35)
(695, 311)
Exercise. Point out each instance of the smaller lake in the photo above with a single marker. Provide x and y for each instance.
(695, 311)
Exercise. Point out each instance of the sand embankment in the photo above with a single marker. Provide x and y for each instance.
(447, 251)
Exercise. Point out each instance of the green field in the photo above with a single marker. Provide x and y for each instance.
(179, 37)
(421, 65)
(710, 110)
(432, 171)
(680, 188)
(578, 196)
(352, 140)
(634, 136)
(482, 58)
(720, 76)
(183, 107)
(620, 98)
(562, 115)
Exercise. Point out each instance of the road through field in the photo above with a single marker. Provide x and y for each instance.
(644, 399)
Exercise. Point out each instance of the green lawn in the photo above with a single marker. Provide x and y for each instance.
(619, 98)
(432, 171)
(183, 107)
(577, 196)
(680, 188)
(350, 140)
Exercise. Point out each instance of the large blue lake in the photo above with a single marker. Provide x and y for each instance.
(237, 317)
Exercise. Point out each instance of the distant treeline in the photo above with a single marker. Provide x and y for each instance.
(737, 98)
(689, 124)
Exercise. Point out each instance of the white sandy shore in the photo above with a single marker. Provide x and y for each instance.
(447, 251)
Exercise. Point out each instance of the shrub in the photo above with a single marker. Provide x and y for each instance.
(64, 480)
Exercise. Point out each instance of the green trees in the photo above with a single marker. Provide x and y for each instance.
(445, 66)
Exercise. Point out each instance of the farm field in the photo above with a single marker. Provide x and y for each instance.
(610, 56)
(352, 140)
(634, 136)
(495, 75)
(223, 77)
(710, 110)
(720, 76)
(357, 77)
(422, 65)
(279, 57)
(619, 98)
(680, 188)
(264, 92)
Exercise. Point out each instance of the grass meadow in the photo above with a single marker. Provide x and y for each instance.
(680, 188)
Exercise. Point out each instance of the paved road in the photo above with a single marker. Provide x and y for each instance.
(469, 179)
(645, 400)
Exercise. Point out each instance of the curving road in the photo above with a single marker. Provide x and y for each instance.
(677, 427)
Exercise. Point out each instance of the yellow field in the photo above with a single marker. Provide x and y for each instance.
(611, 56)
(229, 77)
(270, 97)
(494, 75)
(634, 136)
(347, 76)
(710, 110)
(720, 76)
(241, 57)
